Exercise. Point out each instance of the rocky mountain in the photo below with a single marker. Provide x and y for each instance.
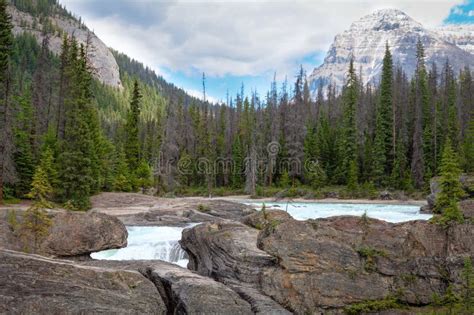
(55, 21)
(366, 38)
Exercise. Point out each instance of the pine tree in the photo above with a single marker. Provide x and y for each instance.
(23, 155)
(379, 158)
(310, 152)
(383, 144)
(420, 103)
(468, 147)
(452, 124)
(348, 143)
(315, 174)
(207, 149)
(41, 94)
(121, 181)
(6, 40)
(221, 153)
(352, 177)
(144, 175)
(327, 153)
(185, 169)
(35, 219)
(41, 189)
(238, 161)
(400, 176)
(284, 181)
(78, 149)
(450, 185)
(132, 141)
(47, 164)
(64, 78)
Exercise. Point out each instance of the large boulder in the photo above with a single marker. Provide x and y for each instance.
(32, 284)
(184, 291)
(326, 265)
(260, 219)
(227, 252)
(73, 234)
(188, 293)
(70, 233)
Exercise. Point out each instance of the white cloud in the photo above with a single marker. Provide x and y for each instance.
(198, 94)
(458, 11)
(238, 37)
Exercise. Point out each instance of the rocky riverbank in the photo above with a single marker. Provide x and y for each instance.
(325, 265)
(241, 262)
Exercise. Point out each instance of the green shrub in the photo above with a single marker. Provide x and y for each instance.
(373, 306)
(203, 208)
(370, 255)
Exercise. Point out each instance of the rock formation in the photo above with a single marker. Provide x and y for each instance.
(32, 284)
(102, 60)
(326, 265)
(70, 234)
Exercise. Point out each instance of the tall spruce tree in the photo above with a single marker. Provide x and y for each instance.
(36, 222)
(383, 144)
(78, 148)
(450, 185)
(132, 141)
(237, 163)
(400, 175)
(419, 103)
(6, 40)
(23, 155)
(121, 174)
(348, 143)
(314, 172)
(452, 123)
(64, 78)
(468, 147)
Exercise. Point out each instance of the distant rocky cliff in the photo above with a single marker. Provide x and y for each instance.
(102, 60)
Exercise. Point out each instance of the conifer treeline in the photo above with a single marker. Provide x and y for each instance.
(389, 136)
(60, 118)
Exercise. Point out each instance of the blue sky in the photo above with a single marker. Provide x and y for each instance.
(463, 13)
(237, 41)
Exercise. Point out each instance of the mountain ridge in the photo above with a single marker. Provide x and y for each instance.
(54, 24)
(366, 38)
(51, 18)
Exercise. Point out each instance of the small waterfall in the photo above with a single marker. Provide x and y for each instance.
(149, 243)
(169, 251)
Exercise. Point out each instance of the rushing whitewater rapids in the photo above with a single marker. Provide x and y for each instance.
(162, 242)
(149, 243)
(389, 213)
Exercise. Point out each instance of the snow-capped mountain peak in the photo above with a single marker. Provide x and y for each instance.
(385, 20)
(366, 38)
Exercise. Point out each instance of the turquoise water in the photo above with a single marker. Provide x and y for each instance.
(313, 210)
